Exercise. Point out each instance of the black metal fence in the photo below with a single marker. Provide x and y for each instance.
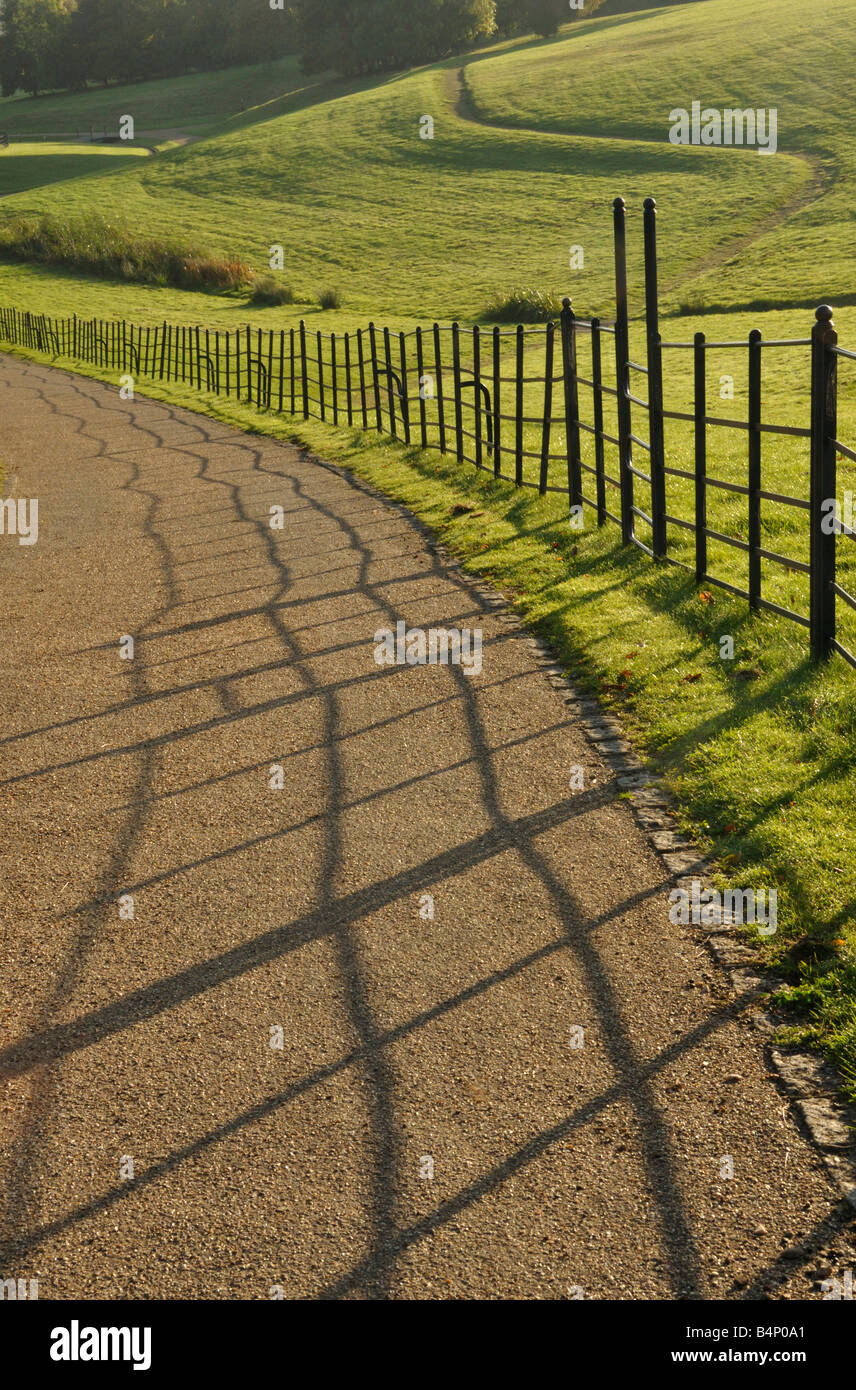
(509, 401)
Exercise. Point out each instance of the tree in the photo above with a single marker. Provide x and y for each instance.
(32, 44)
(351, 36)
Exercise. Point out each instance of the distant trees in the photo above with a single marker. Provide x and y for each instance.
(540, 16)
(48, 44)
(352, 36)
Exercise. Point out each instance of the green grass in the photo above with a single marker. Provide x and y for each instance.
(26, 166)
(195, 104)
(520, 170)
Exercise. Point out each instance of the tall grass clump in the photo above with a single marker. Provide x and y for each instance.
(523, 305)
(267, 291)
(330, 299)
(98, 246)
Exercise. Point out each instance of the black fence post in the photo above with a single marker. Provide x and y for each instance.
(700, 414)
(477, 404)
(572, 406)
(754, 475)
(387, 352)
(420, 373)
(597, 405)
(456, 378)
(405, 390)
(548, 406)
(361, 361)
(375, 377)
(349, 400)
(334, 371)
(497, 372)
(518, 411)
(655, 383)
(438, 373)
(320, 351)
(824, 504)
(622, 371)
(304, 380)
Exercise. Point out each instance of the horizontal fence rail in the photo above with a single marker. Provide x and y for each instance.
(511, 402)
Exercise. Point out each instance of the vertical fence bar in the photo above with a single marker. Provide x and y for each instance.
(405, 403)
(572, 404)
(456, 380)
(389, 395)
(320, 352)
(349, 400)
(249, 355)
(597, 407)
(497, 372)
(333, 373)
(438, 371)
(361, 360)
(420, 376)
(162, 351)
(754, 478)
(518, 411)
(375, 376)
(477, 404)
(654, 363)
(548, 406)
(260, 371)
(700, 412)
(199, 359)
(269, 392)
(622, 371)
(824, 427)
(304, 383)
(291, 370)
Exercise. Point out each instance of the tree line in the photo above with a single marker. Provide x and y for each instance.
(50, 45)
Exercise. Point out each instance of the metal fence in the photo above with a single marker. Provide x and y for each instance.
(508, 401)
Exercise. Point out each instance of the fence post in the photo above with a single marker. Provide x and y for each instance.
(700, 414)
(438, 370)
(420, 374)
(824, 425)
(622, 371)
(597, 403)
(548, 406)
(361, 362)
(497, 371)
(456, 381)
(518, 410)
(349, 400)
(477, 417)
(654, 363)
(572, 406)
(334, 372)
(320, 350)
(754, 476)
(375, 378)
(387, 352)
(405, 405)
(304, 382)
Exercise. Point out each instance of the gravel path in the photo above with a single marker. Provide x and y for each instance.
(410, 1045)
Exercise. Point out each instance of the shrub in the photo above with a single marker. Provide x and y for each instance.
(100, 247)
(523, 306)
(267, 291)
(330, 299)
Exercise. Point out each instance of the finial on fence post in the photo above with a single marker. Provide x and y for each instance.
(824, 327)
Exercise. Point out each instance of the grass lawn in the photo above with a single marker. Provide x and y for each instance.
(30, 165)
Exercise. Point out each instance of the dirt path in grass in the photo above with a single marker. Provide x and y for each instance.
(820, 181)
(336, 1049)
